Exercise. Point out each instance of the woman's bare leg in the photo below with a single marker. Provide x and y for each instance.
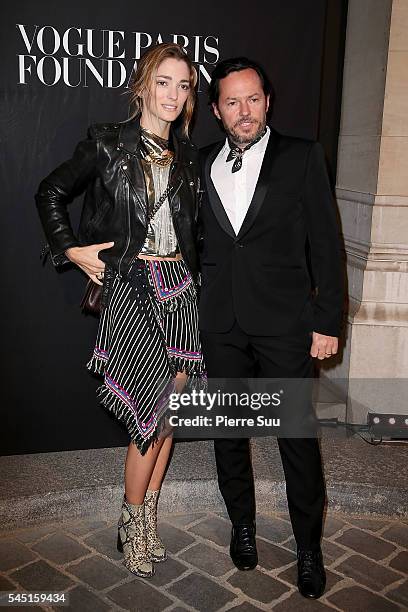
(138, 471)
(163, 456)
(162, 460)
(180, 381)
(144, 472)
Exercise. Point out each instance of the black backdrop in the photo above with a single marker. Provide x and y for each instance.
(48, 398)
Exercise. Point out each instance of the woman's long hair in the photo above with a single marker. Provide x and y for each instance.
(146, 72)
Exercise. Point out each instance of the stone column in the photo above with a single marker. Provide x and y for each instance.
(372, 194)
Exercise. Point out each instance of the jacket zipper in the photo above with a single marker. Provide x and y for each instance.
(176, 229)
(128, 183)
(128, 227)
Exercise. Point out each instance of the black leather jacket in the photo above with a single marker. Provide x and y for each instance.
(108, 166)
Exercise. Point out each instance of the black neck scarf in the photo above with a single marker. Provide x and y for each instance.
(236, 153)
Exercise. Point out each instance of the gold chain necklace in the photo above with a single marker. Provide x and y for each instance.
(156, 151)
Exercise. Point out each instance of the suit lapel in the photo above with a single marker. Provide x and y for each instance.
(261, 186)
(214, 198)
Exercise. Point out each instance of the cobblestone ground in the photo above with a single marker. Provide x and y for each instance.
(366, 560)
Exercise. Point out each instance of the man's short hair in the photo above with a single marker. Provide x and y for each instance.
(236, 64)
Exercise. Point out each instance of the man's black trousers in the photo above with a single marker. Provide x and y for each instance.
(235, 354)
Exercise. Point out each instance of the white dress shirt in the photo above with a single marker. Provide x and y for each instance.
(236, 189)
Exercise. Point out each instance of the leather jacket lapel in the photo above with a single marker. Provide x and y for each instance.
(261, 186)
(214, 198)
(128, 143)
(132, 169)
(129, 136)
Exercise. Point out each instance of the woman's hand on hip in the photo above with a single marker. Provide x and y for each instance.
(87, 259)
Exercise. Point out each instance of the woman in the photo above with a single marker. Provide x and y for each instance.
(137, 235)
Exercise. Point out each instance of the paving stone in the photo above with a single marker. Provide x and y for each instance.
(23, 608)
(35, 533)
(290, 575)
(201, 593)
(291, 544)
(368, 573)
(400, 562)
(137, 595)
(81, 528)
(215, 529)
(13, 554)
(182, 520)
(356, 599)
(400, 594)
(104, 541)
(332, 525)
(298, 603)
(366, 544)
(85, 601)
(208, 559)
(370, 524)
(258, 585)
(174, 539)
(371, 576)
(331, 551)
(60, 549)
(243, 607)
(167, 571)
(6, 585)
(273, 528)
(97, 572)
(397, 534)
(272, 556)
(40, 576)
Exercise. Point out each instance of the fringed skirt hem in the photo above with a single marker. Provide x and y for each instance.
(147, 333)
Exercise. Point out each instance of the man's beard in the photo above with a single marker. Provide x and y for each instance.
(239, 139)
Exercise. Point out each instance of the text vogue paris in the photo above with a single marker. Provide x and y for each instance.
(79, 57)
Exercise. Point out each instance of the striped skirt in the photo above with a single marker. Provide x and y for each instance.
(147, 333)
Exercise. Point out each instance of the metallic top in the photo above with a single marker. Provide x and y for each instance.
(161, 240)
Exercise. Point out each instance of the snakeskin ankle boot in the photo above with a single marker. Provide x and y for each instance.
(155, 547)
(132, 540)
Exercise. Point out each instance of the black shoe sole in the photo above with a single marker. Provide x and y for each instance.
(309, 596)
(244, 567)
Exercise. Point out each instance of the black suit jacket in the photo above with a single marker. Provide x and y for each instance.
(288, 244)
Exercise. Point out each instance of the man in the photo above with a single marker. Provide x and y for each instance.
(268, 227)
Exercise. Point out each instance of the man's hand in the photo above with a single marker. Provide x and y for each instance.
(87, 259)
(323, 346)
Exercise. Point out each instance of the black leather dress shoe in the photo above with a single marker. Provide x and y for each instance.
(243, 547)
(311, 574)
